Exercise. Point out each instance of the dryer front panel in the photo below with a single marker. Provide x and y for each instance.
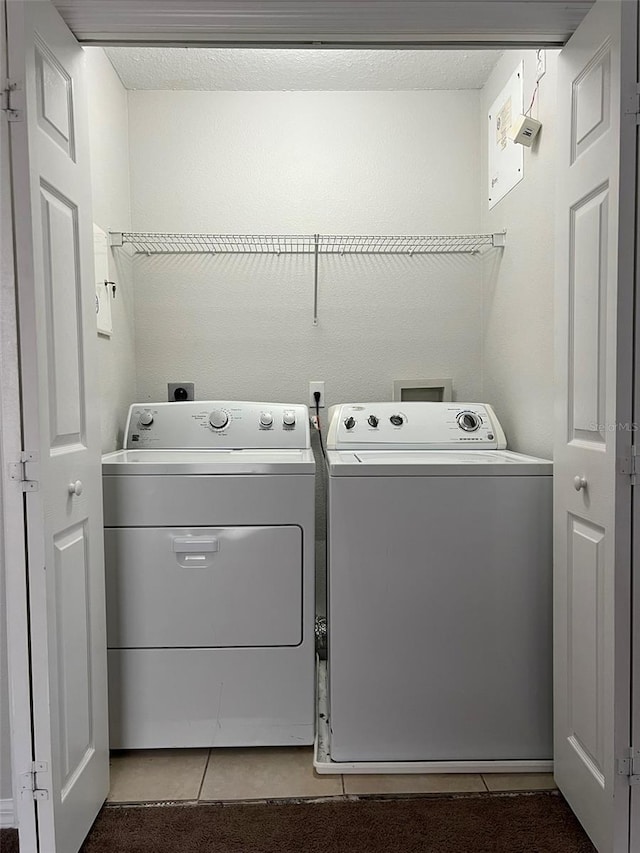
(203, 587)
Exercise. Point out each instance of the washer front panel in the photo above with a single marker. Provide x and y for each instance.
(414, 426)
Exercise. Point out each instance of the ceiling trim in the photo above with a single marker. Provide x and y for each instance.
(325, 23)
(511, 41)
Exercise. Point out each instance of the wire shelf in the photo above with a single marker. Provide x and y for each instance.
(289, 244)
(152, 244)
(404, 245)
(305, 244)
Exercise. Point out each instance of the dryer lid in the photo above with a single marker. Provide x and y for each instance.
(211, 462)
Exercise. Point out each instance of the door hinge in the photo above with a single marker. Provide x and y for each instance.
(629, 766)
(629, 465)
(29, 783)
(12, 101)
(18, 471)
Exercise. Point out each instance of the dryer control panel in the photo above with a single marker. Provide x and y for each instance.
(217, 424)
(414, 426)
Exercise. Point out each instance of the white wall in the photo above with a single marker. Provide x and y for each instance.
(109, 141)
(517, 356)
(305, 162)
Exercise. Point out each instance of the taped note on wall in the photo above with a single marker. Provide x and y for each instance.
(506, 159)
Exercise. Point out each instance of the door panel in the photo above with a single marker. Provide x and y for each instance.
(54, 242)
(592, 493)
(587, 310)
(591, 102)
(74, 634)
(586, 653)
(63, 294)
(55, 98)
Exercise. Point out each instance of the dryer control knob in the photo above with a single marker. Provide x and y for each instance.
(266, 419)
(289, 418)
(218, 419)
(146, 418)
(350, 422)
(396, 420)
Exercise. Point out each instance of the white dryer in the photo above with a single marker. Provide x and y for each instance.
(439, 590)
(209, 546)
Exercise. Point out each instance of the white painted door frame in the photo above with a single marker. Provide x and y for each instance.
(13, 512)
(634, 740)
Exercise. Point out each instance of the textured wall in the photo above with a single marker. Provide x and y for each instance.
(517, 356)
(109, 140)
(305, 162)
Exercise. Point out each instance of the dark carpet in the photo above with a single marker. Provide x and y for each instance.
(533, 823)
(9, 840)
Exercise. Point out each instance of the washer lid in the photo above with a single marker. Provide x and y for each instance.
(150, 462)
(435, 463)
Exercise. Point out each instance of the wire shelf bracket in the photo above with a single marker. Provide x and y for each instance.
(149, 243)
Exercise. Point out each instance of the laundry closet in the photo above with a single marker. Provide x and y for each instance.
(370, 249)
(270, 222)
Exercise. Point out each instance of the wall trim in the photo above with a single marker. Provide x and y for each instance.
(7, 816)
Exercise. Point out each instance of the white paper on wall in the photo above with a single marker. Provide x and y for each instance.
(506, 158)
(103, 289)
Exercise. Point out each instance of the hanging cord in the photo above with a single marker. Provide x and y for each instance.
(533, 97)
(316, 397)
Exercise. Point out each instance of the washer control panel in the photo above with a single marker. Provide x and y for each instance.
(217, 424)
(411, 426)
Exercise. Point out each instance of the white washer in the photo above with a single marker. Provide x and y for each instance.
(439, 590)
(209, 550)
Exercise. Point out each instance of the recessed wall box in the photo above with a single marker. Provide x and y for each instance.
(524, 130)
(422, 390)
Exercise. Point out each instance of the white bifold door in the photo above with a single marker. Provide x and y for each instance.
(61, 430)
(596, 216)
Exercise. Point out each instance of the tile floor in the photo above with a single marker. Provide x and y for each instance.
(277, 773)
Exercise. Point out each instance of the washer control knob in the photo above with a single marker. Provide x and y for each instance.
(266, 419)
(469, 421)
(146, 418)
(218, 419)
(289, 418)
(350, 422)
(373, 421)
(396, 420)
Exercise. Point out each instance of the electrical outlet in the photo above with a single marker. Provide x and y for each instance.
(541, 64)
(179, 391)
(316, 386)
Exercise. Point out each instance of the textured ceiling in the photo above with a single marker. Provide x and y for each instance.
(322, 70)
